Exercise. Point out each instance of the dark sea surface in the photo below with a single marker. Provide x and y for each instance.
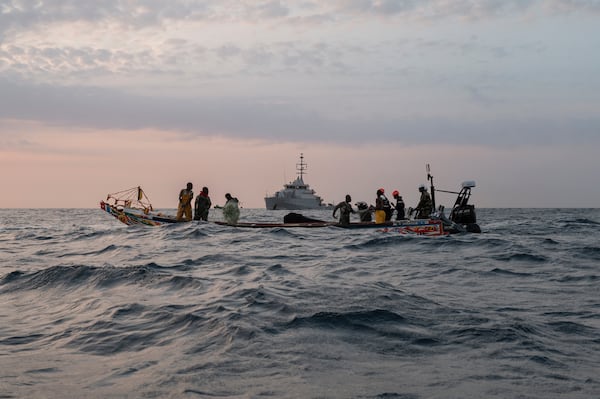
(91, 308)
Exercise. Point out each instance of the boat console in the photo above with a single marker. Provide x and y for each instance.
(462, 212)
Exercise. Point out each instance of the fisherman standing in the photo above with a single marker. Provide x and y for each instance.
(231, 210)
(382, 204)
(345, 210)
(202, 205)
(399, 205)
(185, 204)
(425, 205)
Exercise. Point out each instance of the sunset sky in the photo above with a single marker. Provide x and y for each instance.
(97, 97)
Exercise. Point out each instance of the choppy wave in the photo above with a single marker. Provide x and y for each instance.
(92, 308)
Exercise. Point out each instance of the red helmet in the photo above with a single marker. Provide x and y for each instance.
(395, 193)
(382, 190)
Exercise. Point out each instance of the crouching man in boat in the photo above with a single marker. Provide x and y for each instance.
(345, 210)
(231, 210)
(425, 204)
(364, 211)
(185, 204)
(202, 205)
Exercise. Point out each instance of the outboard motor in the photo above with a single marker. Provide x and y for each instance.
(464, 213)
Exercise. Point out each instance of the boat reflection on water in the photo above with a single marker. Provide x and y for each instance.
(297, 194)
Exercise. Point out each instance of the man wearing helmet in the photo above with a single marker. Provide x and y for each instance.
(425, 205)
(364, 211)
(399, 205)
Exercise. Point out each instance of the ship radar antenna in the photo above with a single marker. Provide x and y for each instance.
(301, 167)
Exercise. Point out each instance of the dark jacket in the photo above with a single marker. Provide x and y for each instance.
(202, 206)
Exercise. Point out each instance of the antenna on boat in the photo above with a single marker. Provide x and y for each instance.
(301, 167)
(430, 178)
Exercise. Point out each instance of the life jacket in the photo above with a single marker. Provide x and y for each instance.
(385, 202)
(425, 201)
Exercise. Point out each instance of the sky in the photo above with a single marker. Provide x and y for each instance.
(98, 97)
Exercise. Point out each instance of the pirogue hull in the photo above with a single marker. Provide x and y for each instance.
(133, 216)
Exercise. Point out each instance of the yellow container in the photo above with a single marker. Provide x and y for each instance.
(379, 216)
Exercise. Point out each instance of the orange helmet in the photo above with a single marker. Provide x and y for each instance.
(395, 193)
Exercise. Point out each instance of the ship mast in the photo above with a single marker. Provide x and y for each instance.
(301, 167)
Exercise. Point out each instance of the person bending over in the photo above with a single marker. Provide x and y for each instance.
(345, 210)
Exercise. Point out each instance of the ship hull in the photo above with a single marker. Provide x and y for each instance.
(296, 195)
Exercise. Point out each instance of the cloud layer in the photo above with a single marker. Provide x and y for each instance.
(498, 73)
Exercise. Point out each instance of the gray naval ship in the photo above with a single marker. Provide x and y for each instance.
(297, 194)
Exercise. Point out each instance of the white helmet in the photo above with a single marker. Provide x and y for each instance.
(362, 205)
(422, 187)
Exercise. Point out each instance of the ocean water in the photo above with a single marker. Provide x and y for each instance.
(91, 308)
